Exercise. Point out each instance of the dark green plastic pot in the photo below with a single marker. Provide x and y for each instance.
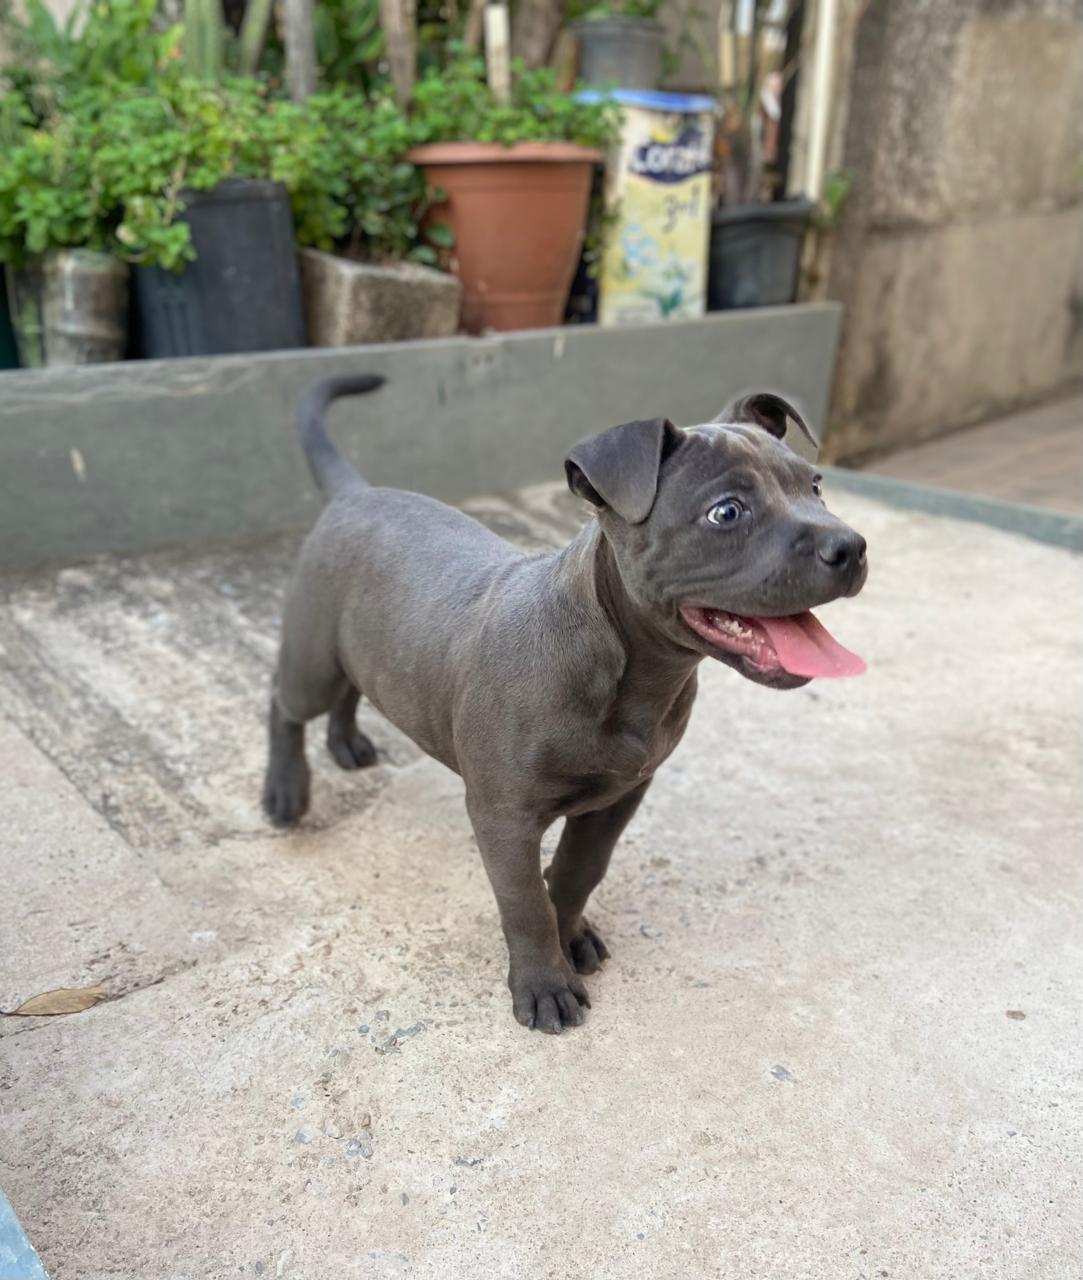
(756, 254)
(9, 357)
(243, 291)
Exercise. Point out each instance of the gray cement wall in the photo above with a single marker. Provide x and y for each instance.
(134, 456)
(959, 253)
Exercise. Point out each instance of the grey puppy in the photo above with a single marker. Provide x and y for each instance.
(555, 684)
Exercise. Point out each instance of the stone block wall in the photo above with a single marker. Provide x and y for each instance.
(959, 254)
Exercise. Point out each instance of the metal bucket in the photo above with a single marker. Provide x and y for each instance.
(69, 307)
(620, 51)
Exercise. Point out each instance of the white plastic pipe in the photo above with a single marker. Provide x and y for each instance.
(497, 61)
(823, 74)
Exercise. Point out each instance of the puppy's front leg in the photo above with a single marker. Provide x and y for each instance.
(580, 862)
(545, 991)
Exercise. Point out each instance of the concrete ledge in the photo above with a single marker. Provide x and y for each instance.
(142, 455)
(1053, 527)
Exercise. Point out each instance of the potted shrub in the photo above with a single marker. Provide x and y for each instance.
(173, 172)
(620, 44)
(515, 177)
(193, 167)
(357, 204)
(65, 280)
(186, 160)
(67, 290)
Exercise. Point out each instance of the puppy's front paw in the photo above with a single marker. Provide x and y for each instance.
(547, 999)
(285, 793)
(585, 949)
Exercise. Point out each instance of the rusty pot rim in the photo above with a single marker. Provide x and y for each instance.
(496, 153)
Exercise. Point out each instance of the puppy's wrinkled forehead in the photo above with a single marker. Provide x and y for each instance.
(736, 436)
(719, 450)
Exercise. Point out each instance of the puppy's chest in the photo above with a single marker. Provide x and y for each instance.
(621, 751)
(634, 744)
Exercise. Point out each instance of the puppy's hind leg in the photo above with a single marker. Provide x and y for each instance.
(299, 695)
(349, 747)
(286, 782)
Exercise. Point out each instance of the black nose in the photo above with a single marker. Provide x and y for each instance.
(841, 550)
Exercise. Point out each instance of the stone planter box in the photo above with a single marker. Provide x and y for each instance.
(349, 303)
(69, 307)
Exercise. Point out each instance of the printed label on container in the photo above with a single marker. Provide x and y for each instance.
(654, 264)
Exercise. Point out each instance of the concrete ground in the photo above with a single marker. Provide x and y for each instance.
(839, 1037)
(1033, 457)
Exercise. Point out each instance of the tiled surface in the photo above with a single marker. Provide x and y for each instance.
(1034, 457)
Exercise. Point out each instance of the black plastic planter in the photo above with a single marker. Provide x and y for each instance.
(756, 254)
(242, 293)
(9, 357)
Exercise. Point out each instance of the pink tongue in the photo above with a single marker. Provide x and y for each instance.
(805, 648)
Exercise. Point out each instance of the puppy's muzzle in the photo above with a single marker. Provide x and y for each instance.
(843, 552)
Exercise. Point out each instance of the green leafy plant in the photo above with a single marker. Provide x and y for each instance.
(101, 43)
(339, 155)
(349, 42)
(189, 135)
(48, 196)
(457, 105)
(353, 191)
(96, 158)
(111, 172)
(836, 190)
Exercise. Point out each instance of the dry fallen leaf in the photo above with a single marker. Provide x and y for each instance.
(62, 1000)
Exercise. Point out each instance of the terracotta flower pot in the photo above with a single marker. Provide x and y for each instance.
(518, 215)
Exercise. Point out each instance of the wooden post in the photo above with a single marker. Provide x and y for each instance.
(257, 17)
(564, 60)
(300, 49)
(475, 17)
(399, 21)
(535, 29)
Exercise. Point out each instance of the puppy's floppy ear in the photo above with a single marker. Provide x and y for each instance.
(765, 409)
(619, 468)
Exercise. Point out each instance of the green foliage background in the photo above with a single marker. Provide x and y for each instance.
(102, 131)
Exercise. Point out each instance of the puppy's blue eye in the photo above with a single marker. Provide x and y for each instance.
(728, 511)
(817, 487)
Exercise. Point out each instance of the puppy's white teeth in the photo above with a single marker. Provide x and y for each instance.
(725, 624)
(731, 627)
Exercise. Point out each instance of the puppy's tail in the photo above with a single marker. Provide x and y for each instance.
(331, 470)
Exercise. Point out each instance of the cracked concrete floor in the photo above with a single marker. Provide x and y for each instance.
(805, 1058)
